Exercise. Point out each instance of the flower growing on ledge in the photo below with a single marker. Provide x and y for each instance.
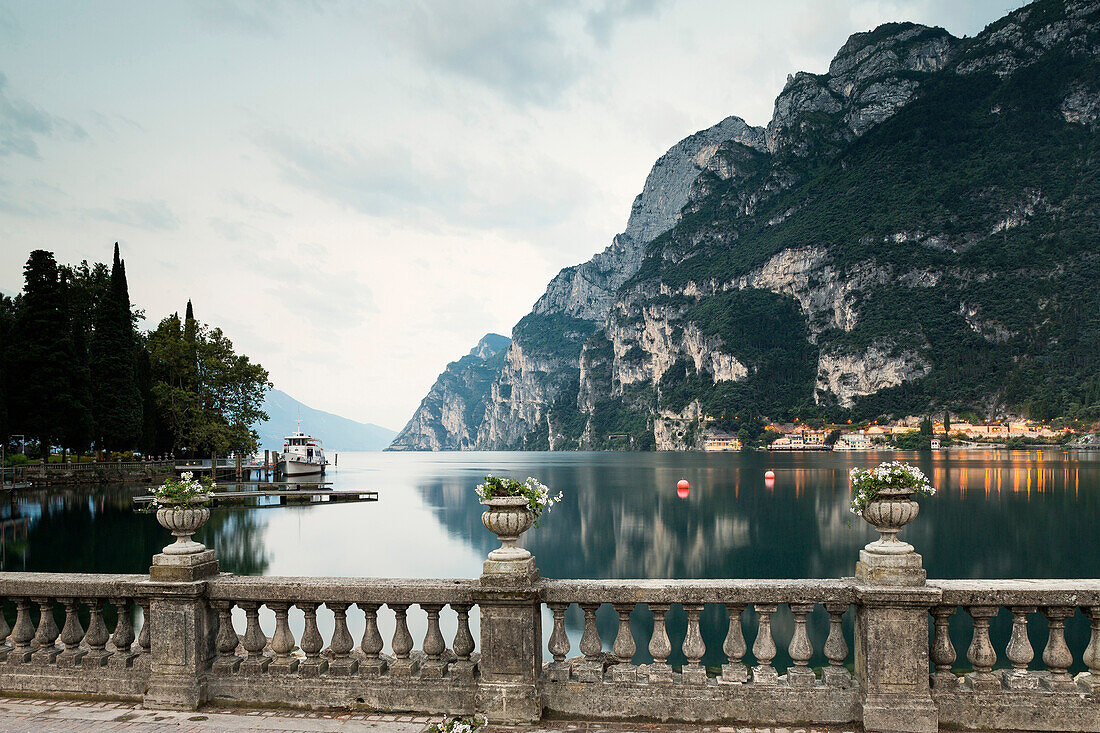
(537, 494)
(887, 476)
(458, 725)
(184, 490)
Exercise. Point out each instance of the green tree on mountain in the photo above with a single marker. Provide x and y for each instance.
(115, 397)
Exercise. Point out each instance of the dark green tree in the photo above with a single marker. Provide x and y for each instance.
(115, 397)
(78, 428)
(7, 320)
(926, 426)
(41, 354)
(207, 395)
(946, 422)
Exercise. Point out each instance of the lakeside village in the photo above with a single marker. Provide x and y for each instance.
(910, 433)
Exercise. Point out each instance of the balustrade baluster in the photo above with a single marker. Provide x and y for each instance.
(312, 643)
(371, 644)
(763, 647)
(254, 640)
(282, 641)
(22, 633)
(1090, 681)
(123, 637)
(734, 671)
(591, 669)
(226, 641)
(341, 664)
(624, 646)
(143, 636)
(800, 649)
(981, 654)
(402, 643)
(433, 666)
(1057, 656)
(660, 672)
(943, 651)
(4, 633)
(96, 637)
(836, 648)
(72, 633)
(694, 672)
(558, 646)
(46, 634)
(1019, 652)
(463, 644)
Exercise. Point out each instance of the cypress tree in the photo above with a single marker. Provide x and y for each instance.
(78, 428)
(6, 318)
(40, 393)
(115, 397)
(190, 349)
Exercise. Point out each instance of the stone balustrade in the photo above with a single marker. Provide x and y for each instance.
(604, 684)
(1004, 690)
(212, 638)
(61, 641)
(436, 677)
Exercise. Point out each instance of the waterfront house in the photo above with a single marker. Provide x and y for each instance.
(721, 442)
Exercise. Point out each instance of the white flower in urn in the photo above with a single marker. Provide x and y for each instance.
(537, 493)
(184, 490)
(887, 476)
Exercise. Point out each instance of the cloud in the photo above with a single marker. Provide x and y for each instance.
(22, 123)
(528, 51)
(151, 215)
(444, 189)
(328, 299)
(253, 204)
(251, 17)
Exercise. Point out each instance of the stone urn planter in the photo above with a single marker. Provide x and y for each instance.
(888, 512)
(183, 520)
(508, 517)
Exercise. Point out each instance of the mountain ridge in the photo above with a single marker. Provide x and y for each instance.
(908, 233)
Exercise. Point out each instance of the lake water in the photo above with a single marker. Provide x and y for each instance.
(997, 514)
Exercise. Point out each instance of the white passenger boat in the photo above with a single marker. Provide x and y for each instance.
(303, 455)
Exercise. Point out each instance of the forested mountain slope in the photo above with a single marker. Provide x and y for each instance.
(915, 229)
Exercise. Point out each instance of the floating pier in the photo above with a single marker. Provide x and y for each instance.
(316, 494)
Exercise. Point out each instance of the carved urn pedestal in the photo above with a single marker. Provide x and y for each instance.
(888, 560)
(508, 517)
(184, 559)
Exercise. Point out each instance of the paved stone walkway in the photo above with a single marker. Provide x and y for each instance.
(23, 715)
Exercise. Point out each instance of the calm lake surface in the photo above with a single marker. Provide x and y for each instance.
(997, 514)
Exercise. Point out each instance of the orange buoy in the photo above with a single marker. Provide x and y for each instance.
(769, 474)
(683, 488)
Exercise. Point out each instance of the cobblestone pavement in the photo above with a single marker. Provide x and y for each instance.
(24, 715)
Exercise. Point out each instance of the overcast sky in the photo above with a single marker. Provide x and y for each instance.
(357, 192)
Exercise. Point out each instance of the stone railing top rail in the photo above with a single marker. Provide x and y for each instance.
(342, 590)
(699, 591)
(72, 585)
(1083, 592)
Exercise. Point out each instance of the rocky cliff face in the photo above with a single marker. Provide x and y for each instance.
(859, 255)
(448, 415)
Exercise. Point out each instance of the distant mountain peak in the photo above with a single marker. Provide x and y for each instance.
(489, 345)
(337, 433)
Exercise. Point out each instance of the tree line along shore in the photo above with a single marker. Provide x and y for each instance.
(79, 377)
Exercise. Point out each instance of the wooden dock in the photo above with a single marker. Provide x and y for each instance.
(285, 495)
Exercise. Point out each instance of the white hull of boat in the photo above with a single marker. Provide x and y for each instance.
(301, 468)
